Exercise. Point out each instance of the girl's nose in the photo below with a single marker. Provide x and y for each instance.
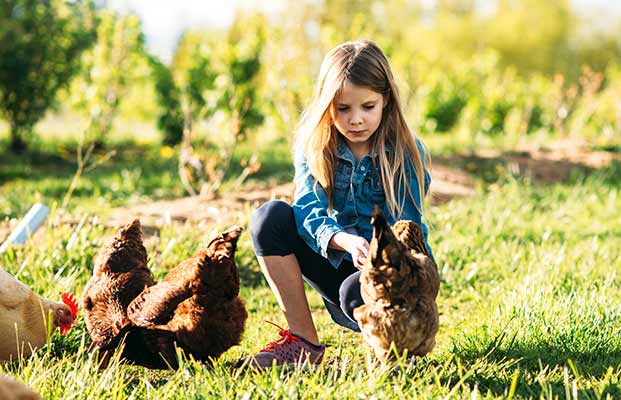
(356, 119)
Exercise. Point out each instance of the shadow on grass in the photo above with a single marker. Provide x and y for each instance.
(612, 148)
(502, 167)
(134, 171)
(45, 174)
(251, 277)
(527, 387)
(60, 162)
(511, 165)
(534, 359)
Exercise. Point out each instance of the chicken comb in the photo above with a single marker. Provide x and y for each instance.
(69, 300)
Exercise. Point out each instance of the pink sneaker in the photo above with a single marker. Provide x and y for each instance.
(290, 349)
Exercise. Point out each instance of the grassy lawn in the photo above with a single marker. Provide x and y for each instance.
(530, 299)
(136, 173)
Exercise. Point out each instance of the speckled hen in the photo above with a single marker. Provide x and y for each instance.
(399, 286)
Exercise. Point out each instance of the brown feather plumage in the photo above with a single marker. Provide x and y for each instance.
(120, 274)
(195, 307)
(399, 287)
(198, 300)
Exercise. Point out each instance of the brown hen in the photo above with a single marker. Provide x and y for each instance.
(119, 276)
(198, 301)
(399, 286)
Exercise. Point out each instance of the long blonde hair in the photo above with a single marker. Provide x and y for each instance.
(361, 63)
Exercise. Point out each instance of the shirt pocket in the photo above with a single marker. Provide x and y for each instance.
(372, 189)
(342, 181)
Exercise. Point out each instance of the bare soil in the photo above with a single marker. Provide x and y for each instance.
(545, 165)
(450, 180)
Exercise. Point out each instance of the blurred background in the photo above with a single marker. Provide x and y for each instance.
(122, 101)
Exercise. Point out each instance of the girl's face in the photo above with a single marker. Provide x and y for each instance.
(357, 113)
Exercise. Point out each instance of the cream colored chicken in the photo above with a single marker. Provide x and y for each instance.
(13, 390)
(24, 317)
(399, 286)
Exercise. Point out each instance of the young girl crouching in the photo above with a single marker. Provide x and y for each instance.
(353, 151)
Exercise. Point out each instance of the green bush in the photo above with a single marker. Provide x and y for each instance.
(40, 47)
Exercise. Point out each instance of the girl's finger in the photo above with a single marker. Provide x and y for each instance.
(361, 259)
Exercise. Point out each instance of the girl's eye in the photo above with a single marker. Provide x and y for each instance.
(369, 107)
(343, 109)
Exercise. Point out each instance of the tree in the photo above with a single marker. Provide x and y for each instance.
(193, 73)
(170, 116)
(40, 47)
(243, 59)
(109, 68)
(215, 76)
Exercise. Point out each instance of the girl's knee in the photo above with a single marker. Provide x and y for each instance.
(273, 214)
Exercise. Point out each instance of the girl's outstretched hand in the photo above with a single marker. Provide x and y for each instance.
(355, 245)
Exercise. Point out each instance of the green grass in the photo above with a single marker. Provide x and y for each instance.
(530, 303)
(530, 299)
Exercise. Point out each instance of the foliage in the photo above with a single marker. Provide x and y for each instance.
(228, 88)
(494, 70)
(182, 89)
(40, 47)
(170, 118)
(238, 85)
(194, 75)
(108, 68)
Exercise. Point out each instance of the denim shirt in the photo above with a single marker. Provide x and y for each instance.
(357, 190)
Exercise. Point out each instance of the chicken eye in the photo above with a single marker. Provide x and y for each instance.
(88, 304)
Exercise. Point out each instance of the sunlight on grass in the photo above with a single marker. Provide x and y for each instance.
(530, 303)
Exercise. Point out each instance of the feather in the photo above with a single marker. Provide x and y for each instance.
(399, 286)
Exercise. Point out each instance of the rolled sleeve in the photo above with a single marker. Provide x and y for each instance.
(334, 256)
(310, 209)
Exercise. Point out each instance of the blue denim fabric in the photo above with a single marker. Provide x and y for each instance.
(357, 190)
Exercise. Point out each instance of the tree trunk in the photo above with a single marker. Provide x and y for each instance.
(18, 145)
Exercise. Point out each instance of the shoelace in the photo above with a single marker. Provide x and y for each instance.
(284, 333)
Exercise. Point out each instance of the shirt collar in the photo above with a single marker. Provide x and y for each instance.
(343, 151)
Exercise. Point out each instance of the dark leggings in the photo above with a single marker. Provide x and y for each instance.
(274, 233)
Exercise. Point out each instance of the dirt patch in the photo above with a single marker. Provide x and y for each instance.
(448, 183)
(210, 209)
(452, 177)
(450, 180)
(552, 164)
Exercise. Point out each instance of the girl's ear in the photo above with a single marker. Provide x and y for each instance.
(385, 97)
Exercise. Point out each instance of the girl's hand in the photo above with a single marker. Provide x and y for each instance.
(355, 245)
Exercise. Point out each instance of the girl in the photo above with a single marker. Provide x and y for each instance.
(353, 151)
